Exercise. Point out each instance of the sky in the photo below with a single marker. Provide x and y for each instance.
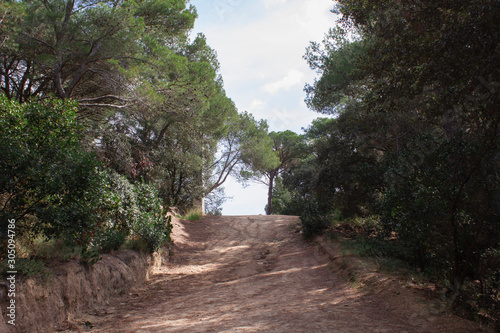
(260, 45)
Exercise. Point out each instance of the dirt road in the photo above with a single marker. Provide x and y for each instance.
(255, 274)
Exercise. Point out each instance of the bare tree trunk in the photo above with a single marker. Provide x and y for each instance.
(269, 208)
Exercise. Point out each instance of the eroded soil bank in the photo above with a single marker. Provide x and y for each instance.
(72, 289)
(257, 274)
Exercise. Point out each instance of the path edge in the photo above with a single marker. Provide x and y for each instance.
(74, 289)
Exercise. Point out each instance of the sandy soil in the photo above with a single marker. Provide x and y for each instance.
(257, 274)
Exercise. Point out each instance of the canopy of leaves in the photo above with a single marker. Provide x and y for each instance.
(93, 51)
(152, 98)
(124, 80)
(287, 148)
(414, 89)
(51, 187)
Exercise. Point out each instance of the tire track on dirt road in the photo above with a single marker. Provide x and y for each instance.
(251, 274)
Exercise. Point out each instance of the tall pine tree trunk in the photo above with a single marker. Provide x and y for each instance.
(269, 207)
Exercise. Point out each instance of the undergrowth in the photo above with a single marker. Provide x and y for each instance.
(475, 300)
(29, 268)
(192, 216)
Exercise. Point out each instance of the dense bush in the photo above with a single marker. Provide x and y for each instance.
(414, 136)
(441, 200)
(45, 173)
(51, 187)
(313, 219)
(150, 225)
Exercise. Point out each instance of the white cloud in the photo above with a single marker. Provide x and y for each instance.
(257, 104)
(269, 3)
(270, 42)
(249, 200)
(293, 78)
(282, 119)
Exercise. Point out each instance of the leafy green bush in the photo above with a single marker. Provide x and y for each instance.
(313, 221)
(194, 216)
(442, 203)
(52, 188)
(126, 210)
(30, 268)
(111, 240)
(282, 197)
(151, 225)
(45, 173)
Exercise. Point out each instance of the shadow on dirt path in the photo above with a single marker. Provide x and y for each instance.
(252, 274)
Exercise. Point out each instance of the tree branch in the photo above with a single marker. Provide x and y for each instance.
(39, 41)
(103, 97)
(105, 105)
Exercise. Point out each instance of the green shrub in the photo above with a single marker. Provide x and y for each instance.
(111, 240)
(313, 221)
(441, 203)
(30, 268)
(151, 225)
(194, 216)
(52, 188)
(89, 256)
(129, 210)
(45, 173)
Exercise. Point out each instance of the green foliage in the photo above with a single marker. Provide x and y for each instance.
(32, 268)
(29, 268)
(44, 168)
(194, 216)
(348, 175)
(11, 13)
(125, 209)
(335, 60)
(337, 171)
(415, 138)
(282, 197)
(89, 256)
(151, 225)
(88, 51)
(313, 220)
(437, 202)
(287, 148)
(52, 188)
(110, 240)
(257, 144)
